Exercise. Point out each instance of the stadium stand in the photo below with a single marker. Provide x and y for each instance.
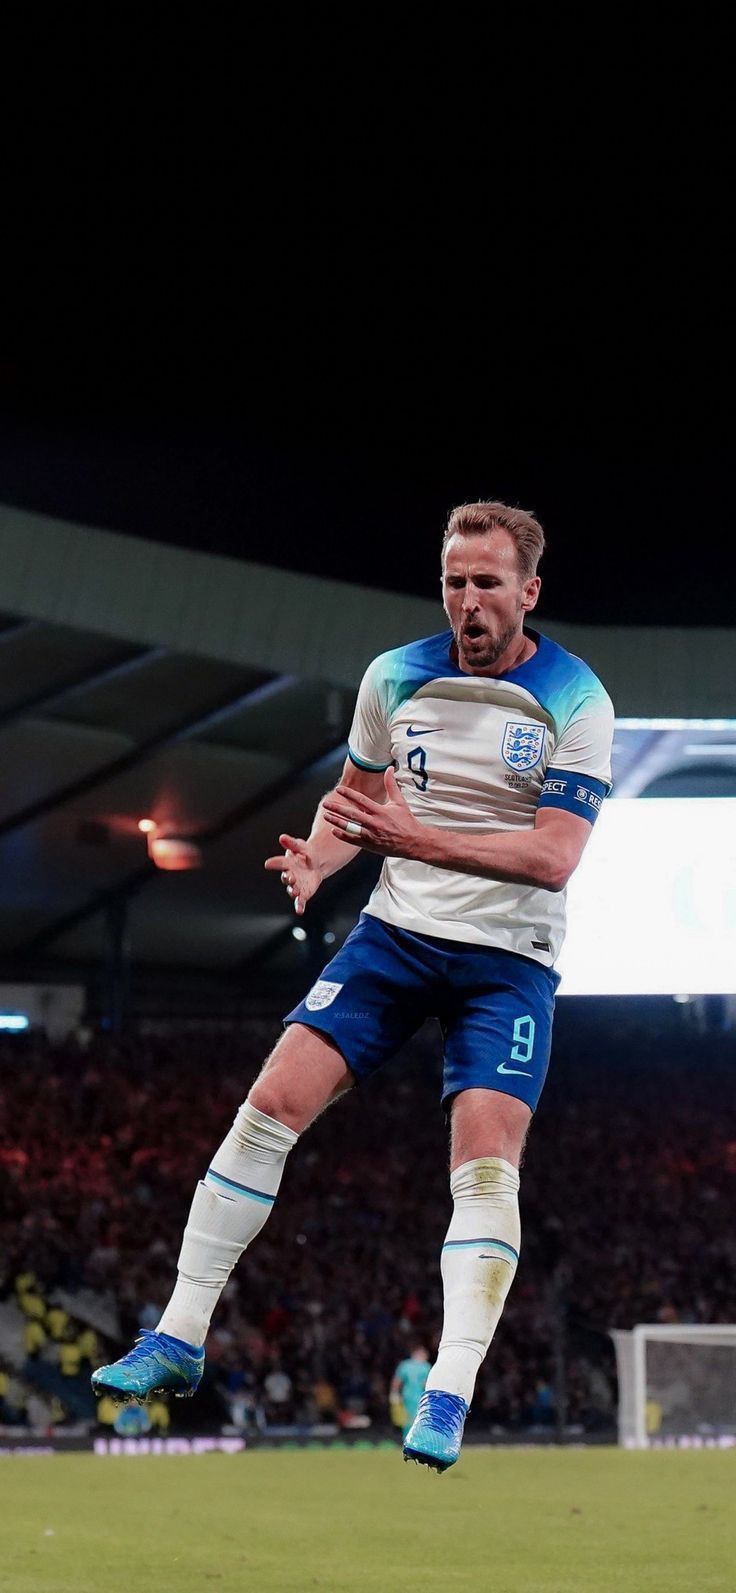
(216, 695)
(629, 1182)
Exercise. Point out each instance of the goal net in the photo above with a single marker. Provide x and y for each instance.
(677, 1386)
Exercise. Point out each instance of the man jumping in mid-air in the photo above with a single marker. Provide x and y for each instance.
(478, 761)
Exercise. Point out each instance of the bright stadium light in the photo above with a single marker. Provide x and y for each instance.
(299, 933)
(652, 907)
(146, 826)
(14, 1022)
(710, 749)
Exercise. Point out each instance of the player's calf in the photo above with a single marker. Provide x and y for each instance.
(230, 1206)
(479, 1259)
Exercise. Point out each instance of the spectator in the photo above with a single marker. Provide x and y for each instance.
(57, 1322)
(277, 1388)
(628, 1200)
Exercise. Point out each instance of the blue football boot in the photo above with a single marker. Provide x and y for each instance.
(157, 1364)
(436, 1433)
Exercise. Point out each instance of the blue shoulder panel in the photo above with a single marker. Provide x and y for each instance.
(558, 680)
(400, 673)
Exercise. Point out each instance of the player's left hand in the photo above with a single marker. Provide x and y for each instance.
(388, 828)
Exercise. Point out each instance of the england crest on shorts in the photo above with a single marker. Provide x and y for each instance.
(321, 995)
(522, 744)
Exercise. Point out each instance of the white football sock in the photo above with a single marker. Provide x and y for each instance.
(229, 1208)
(478, 1264)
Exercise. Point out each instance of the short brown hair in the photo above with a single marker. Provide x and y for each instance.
(470, 518)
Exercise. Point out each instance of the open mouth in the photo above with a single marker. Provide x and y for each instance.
(473, 632)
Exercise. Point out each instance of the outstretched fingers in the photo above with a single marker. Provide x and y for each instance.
(292, 847)
(294, 843)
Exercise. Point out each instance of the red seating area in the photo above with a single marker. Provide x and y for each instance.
(627, 1199)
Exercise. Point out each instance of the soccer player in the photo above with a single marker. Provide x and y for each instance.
(409, 1382)
(478, 761)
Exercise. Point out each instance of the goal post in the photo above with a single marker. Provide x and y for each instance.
(677, 1385)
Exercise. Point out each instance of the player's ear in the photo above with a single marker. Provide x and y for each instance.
(532, 589)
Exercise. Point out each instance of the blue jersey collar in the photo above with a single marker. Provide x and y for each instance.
(525, 672)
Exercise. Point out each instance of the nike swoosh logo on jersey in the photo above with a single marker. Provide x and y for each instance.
(411, 732)
(502, 1068)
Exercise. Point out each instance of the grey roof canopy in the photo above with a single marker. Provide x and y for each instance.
(241, 613)
(215, 695)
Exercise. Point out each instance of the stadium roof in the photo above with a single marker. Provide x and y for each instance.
(215, 696)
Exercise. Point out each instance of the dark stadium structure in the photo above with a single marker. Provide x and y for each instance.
(214, 696)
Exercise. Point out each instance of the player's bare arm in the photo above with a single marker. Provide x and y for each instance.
(544, 856)
(304, 864)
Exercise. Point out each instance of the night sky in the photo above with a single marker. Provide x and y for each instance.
(635, 535)
(311, 364)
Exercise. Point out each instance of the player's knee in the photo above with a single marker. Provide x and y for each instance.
(486, 1123)
(283, 1092)
(271, 1096)
(299, 1079)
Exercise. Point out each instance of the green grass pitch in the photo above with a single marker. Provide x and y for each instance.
(511, 1521)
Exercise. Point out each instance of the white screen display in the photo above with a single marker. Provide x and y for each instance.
(652, 905)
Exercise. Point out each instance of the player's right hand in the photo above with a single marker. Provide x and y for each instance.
(299, 872)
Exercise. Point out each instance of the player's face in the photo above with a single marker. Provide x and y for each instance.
(485, 599)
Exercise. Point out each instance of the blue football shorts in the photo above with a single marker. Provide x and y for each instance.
(494, 1008)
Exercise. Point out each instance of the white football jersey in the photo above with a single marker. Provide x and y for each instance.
(482, 753)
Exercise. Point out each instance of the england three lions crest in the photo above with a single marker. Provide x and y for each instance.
(321, 995)
(522, 745)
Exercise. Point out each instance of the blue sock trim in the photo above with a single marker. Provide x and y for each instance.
(243, 1189)
(467, 1244)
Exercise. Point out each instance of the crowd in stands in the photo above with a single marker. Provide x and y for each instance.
(627, 1197)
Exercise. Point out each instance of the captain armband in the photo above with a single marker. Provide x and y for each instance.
(576, 793)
